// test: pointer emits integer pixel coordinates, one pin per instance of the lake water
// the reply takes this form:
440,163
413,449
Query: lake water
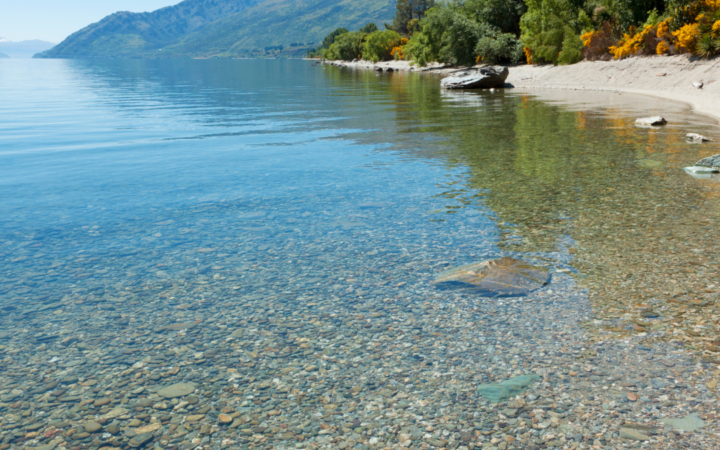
262,237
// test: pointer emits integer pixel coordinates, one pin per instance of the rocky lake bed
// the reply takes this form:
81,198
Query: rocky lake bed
250,274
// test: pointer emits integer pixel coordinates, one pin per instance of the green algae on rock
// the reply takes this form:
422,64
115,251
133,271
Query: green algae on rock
504,276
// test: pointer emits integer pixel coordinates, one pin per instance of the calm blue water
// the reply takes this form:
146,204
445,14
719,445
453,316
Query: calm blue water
109,146
250,222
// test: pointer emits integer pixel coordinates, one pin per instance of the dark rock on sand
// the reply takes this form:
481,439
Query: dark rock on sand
484,78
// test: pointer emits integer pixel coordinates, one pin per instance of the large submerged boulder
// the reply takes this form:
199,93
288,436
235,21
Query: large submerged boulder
504,276
483,78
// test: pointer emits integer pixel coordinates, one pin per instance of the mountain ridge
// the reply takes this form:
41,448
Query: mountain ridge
220,29
23,49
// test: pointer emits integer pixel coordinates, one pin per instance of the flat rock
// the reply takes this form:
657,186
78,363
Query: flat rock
117,412
177,390
653,121
633,435
504,276
697,138
237,333
498,392
484,78
140,439
691,422
92,427
148,428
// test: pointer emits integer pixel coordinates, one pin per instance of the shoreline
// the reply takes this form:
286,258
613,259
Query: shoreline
666,77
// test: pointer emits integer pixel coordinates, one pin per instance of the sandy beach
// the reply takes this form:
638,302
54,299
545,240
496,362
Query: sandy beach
668,77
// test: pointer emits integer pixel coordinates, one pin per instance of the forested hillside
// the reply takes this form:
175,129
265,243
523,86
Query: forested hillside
220,28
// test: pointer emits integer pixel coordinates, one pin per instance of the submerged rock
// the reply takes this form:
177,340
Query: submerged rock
504,276
633,435
498,392
710,161
484,78
651,121
691,422
696,138
177,390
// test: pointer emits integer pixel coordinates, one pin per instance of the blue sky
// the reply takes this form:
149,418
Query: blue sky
54,20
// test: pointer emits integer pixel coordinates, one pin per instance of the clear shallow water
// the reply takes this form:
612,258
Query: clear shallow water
268,231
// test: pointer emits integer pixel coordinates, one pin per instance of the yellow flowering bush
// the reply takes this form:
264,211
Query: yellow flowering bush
632,44
397,52
662,48
586,38
716,29
686,37
528,55
663,29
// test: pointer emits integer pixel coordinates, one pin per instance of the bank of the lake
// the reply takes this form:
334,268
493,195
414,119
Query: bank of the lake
668,77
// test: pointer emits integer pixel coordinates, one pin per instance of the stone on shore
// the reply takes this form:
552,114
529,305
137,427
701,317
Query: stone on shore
484,78
504,276
696,138
653,121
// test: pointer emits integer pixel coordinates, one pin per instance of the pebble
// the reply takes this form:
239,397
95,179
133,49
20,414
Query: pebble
92,427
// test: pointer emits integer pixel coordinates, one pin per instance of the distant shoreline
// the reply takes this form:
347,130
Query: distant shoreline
667,77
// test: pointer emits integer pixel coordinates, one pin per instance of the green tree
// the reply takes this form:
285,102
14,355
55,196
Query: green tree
379,44
346,47
503,14
408,13
545,27
451,33
369,28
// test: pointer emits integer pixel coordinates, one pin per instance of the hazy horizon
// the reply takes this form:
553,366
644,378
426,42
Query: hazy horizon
50,21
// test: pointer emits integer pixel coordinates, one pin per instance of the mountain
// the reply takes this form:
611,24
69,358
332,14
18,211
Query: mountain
23,49
3,55
221,28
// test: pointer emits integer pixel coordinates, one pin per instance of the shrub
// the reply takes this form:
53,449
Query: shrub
347,46
707,46
596,44
379,45
503,47
572,47
544,29
398,51
330,38
687,37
